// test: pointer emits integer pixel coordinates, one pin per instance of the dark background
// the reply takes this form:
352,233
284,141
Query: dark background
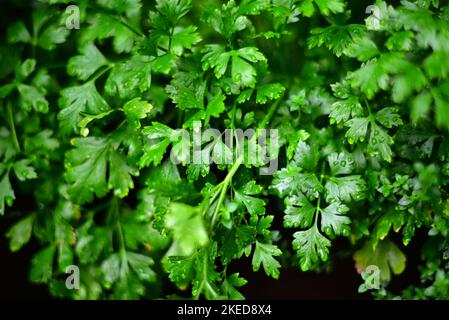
341,283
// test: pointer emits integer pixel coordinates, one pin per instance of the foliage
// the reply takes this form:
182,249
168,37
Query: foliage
89,128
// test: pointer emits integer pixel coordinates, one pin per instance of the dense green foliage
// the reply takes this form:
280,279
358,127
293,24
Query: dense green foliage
89,118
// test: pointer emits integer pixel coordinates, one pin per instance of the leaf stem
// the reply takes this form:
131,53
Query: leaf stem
102,72
15,140
368,106
318,204
225,183
120,237
172,30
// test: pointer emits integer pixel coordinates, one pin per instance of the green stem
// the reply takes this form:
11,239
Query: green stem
120,237
15,140
225,183
102,72
318,204
204,283
170,40
130,27
367,106
233,111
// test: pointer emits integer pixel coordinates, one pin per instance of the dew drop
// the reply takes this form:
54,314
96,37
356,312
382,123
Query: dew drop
85,132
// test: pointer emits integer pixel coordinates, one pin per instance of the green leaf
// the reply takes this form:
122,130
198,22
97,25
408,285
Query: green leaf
173,10
388,117
20,233
164,63
243,72
434,65
215,107
306,156
187,92
333,220
153,152
371,77
25,69
65,256
299,212
245,95
23,170
88,118
135,110
184,38
268,92
111,269
340,163
120,173
76,101
221,153
42,265
6,193
421,106
363,49
85,65
141,265
206,276
357,129
105,26
235,241
131,78
402,40
311,247
387,257
290,181
253,7
216,58
18,33
181,270
87,168
137,234
245,195
91,242
228,19
6,90
385,223
263,254
336,38
32,98
157,130
326,7
379,143
52,36
343,110
187,226
231,283
345,188
441,106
